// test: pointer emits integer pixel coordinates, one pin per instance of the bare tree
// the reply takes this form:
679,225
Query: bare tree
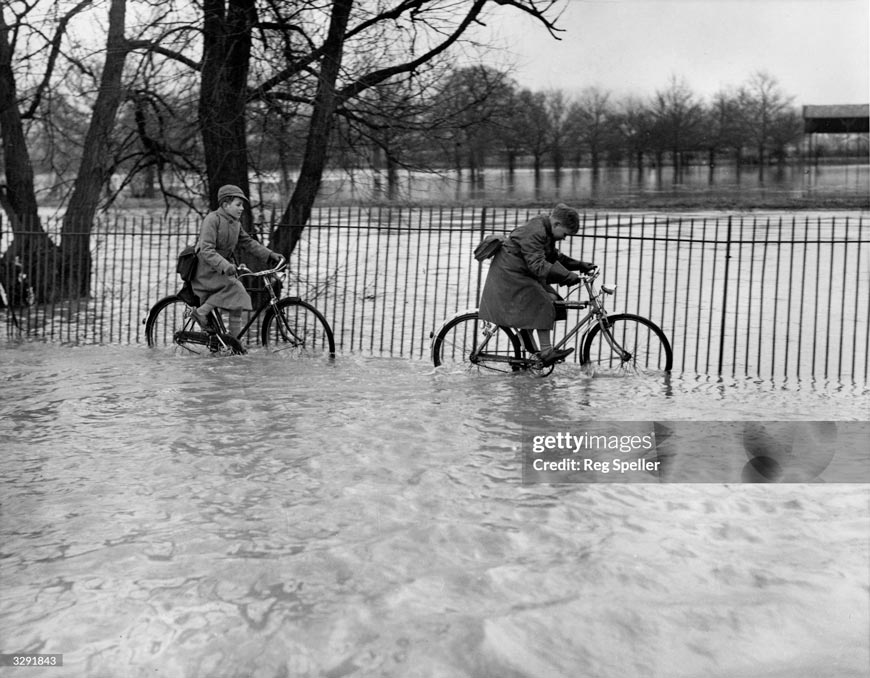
721,131
30,244
678,114
93,171
557,106
75,98
394,126
761,102
635,124
420,31
785,130
468,113
592,123
532,114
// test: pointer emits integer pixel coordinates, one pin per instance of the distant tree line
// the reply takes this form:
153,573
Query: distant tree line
478,116
175,99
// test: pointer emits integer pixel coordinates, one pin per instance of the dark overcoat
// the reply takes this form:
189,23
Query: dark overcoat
516,292
220,238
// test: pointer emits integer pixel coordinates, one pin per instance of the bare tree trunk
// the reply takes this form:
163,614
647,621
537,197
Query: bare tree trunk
392,177
711,164
95,167
226,57
20,194
761,161
295,217
30,243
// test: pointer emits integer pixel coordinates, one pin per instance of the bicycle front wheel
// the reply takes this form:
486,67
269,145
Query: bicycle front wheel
298,329
466,341
630,344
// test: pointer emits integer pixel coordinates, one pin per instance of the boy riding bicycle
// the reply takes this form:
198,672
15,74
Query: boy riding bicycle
216,282
517,291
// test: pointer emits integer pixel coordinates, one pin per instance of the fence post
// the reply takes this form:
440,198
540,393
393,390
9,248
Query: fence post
724,297
480,263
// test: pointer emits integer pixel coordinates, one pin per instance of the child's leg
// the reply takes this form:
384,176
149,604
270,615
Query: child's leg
528,341
544,340
235,325
201,314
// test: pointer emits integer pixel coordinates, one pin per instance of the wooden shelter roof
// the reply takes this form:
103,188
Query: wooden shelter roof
838,119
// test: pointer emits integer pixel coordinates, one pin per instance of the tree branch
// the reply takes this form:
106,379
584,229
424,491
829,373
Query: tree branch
52,57
156,48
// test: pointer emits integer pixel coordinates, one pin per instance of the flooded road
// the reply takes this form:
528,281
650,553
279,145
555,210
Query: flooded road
253,516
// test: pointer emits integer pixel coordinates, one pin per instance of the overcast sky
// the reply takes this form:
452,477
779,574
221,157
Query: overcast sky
818,50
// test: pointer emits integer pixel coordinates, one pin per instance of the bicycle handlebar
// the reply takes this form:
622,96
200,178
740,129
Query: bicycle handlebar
245,271
585,278
592,275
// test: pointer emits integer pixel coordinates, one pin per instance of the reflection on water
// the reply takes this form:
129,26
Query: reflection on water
260,517
497,184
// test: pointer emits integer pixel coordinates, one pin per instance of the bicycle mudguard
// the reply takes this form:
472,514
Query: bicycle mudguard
437,331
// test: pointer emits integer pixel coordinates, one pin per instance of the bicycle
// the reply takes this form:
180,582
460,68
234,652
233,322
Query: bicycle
620,343
289,324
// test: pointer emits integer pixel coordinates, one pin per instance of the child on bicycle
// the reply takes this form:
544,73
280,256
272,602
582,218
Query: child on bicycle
216,282
517,291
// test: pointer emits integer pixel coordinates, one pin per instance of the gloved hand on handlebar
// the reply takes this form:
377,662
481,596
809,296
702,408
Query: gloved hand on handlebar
276,258
587,267
572,279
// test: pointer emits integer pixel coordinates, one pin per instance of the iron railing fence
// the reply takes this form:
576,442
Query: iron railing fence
776,297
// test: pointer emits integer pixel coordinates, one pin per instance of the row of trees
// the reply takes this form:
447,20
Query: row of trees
755,121
173,93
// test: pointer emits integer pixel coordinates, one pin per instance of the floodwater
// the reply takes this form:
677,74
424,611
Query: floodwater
723,181
251,516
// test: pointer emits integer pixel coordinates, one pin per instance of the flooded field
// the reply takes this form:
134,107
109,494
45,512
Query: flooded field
182,517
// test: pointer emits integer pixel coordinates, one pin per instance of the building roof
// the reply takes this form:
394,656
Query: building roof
839,119
838,111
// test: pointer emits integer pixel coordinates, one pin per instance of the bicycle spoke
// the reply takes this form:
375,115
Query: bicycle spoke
169,317
630,345
297,329
470,344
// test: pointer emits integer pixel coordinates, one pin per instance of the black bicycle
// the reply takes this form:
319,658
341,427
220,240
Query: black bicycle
289,324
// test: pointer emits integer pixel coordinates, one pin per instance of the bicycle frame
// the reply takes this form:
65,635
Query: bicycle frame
290,323
271,277
597,313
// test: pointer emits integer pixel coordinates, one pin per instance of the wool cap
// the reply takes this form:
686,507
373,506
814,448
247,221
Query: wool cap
230,191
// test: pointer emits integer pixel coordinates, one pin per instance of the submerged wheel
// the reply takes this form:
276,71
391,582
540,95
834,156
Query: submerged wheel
641,347
170,326
296,328
168,316
457,340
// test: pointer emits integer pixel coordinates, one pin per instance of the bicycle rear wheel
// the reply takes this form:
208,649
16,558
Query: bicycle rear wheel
458,341
638,347
298,329
169,326
168,316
